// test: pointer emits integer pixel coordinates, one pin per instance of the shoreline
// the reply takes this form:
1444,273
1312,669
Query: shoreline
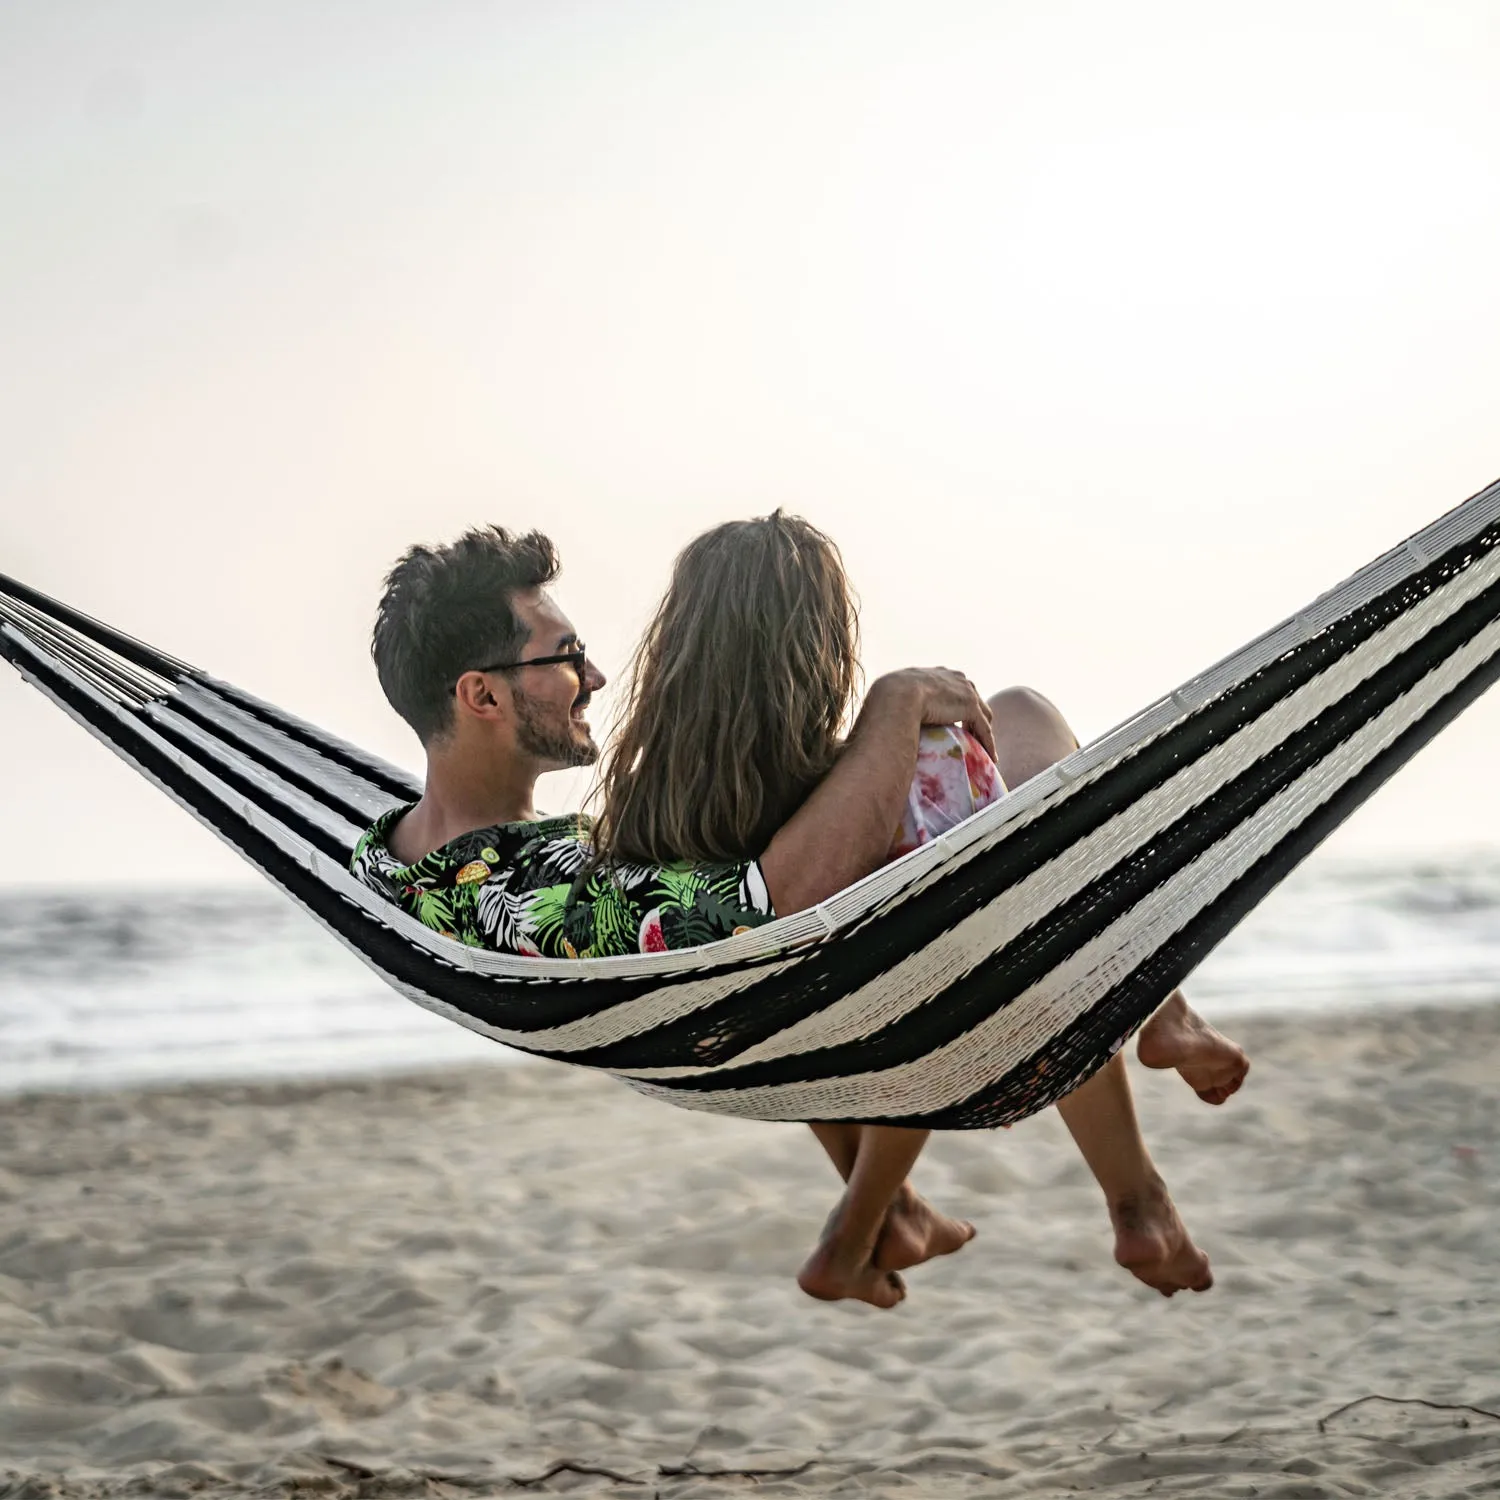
267,1287
1297,1010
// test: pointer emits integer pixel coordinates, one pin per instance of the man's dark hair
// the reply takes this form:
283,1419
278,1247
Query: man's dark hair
447,610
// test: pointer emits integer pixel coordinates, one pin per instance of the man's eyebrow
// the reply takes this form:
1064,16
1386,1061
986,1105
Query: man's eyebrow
570,639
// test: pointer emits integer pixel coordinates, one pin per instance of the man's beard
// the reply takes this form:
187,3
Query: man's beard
539,738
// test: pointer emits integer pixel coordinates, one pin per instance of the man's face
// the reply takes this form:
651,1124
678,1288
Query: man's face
550,701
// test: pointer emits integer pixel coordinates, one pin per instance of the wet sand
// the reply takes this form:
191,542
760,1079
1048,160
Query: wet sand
453,1283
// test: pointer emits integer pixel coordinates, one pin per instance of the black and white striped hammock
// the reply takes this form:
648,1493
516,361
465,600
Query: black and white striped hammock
966,985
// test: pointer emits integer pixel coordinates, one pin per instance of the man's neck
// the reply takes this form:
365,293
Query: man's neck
459,798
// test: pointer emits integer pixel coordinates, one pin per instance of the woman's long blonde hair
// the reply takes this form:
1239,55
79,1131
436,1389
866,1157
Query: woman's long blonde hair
736,699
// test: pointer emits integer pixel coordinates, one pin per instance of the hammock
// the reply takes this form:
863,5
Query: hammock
966,985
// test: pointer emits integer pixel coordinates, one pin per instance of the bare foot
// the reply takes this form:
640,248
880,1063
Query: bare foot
1152,1243
915,1231
838,1269
1178,1037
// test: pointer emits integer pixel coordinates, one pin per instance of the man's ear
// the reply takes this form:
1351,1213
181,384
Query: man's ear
474,695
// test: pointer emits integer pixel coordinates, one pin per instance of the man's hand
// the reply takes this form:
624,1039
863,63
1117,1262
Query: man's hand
942,696
845,828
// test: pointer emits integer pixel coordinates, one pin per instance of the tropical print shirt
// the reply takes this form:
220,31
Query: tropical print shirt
535,889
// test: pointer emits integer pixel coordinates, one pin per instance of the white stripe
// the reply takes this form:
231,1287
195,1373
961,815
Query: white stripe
283,749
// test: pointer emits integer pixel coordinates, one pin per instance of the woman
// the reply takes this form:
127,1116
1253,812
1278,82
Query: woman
733,713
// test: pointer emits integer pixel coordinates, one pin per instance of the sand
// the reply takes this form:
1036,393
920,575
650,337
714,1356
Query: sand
455,1283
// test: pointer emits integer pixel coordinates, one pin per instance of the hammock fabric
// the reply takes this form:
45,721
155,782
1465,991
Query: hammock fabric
966,985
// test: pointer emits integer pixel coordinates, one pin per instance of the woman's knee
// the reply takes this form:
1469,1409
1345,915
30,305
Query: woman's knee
1030,733
1024,706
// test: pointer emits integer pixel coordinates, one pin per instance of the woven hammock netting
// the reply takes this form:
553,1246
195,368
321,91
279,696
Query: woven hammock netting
968,984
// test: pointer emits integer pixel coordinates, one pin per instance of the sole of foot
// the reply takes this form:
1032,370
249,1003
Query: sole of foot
1178,1037
822,1279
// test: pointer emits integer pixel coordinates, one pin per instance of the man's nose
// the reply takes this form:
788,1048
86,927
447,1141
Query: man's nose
593,678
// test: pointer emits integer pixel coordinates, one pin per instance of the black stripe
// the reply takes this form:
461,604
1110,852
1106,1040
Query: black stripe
384,778
1088,1044
289,772
286,813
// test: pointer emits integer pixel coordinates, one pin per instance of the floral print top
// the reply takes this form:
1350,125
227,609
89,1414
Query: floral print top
535,889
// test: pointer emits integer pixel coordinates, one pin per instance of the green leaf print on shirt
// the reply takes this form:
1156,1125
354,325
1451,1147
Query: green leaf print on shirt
433,909
548,917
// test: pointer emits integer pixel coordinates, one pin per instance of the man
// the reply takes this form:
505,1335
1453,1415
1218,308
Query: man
475,654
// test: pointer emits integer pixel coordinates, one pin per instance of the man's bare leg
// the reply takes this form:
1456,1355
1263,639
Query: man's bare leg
841,1143
912,1231
843,1264
1030,735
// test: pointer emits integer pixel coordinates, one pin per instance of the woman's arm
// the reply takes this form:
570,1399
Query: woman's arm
844,829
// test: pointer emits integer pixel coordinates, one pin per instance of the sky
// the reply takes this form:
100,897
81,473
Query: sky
1101,338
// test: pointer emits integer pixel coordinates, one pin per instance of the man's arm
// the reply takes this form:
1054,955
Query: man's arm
844,829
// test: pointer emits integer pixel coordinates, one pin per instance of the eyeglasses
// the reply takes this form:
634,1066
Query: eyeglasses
577,658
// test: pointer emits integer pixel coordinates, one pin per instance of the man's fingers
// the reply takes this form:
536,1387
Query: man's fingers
948,697
983,731
953,699
975,716
976,720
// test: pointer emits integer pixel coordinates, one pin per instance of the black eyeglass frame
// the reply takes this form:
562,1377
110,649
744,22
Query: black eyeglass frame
576,658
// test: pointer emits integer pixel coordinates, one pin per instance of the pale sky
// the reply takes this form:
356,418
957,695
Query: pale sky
1101,337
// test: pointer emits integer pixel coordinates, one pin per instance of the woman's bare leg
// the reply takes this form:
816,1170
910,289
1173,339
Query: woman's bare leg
1150,1239
841,1143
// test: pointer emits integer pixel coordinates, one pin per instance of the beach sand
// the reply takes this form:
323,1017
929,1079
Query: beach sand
452,1284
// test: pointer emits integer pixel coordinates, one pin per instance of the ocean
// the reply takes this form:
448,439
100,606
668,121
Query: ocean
101,988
